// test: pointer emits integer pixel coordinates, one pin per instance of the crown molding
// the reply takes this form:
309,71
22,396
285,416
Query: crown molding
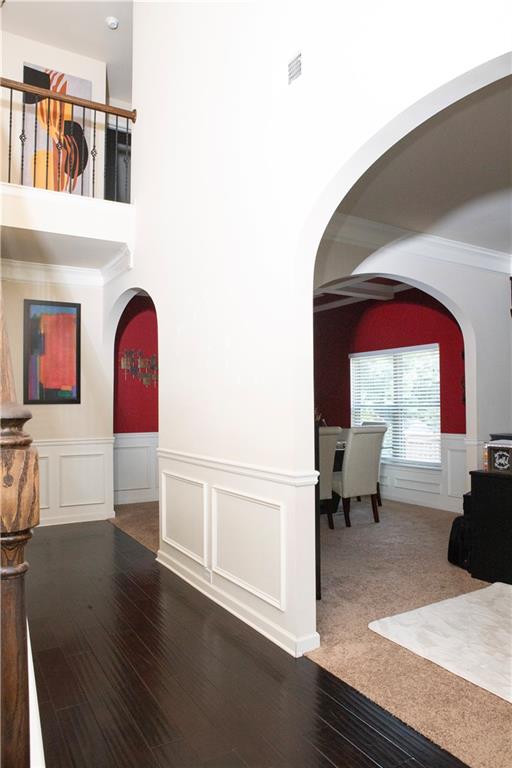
33,272
354,230
119,264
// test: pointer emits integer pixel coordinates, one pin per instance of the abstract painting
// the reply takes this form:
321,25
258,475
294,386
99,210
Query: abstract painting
142,367
51,352
56,149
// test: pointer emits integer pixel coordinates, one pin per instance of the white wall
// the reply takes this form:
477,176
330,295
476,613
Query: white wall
75,442
233,192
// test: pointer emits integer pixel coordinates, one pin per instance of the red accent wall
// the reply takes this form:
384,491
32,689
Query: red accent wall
135,405
411,318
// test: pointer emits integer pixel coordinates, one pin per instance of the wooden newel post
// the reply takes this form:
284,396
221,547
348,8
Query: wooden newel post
19,513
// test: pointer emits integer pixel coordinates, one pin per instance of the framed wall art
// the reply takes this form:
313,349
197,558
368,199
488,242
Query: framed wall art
51,355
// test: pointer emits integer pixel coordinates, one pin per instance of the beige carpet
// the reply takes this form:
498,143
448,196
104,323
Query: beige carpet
371,571
140,521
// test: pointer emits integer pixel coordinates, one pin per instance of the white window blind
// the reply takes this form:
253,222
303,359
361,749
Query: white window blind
401,388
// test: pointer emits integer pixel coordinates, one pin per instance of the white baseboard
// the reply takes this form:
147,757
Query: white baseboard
75,479
295,646
36,737
77,517
135,467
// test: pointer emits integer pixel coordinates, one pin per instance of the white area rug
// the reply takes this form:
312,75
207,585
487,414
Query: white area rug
470,635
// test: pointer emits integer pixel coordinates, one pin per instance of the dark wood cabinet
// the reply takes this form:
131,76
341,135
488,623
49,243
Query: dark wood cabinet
491,523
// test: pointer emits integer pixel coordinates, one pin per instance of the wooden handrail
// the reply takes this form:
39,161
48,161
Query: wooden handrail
19,513
130,114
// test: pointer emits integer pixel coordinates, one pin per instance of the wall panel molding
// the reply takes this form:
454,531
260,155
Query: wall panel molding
244,514
185,502
440,487
76,479
135,467
247,548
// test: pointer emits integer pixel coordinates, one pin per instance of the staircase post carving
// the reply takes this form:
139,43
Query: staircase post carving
19,514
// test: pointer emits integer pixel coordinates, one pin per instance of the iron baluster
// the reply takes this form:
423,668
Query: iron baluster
126,155
71,153
59,147
23,138
105,148
35,142
10,139
94,153
115,159
82,152
47,139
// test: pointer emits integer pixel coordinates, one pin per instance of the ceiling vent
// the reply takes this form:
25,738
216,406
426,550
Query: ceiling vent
294,68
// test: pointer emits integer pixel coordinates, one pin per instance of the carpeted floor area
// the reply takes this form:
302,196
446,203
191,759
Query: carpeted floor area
371,571
140,521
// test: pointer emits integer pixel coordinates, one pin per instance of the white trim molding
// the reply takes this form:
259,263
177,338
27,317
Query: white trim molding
76,479
32,272
294,479
354,230
296,646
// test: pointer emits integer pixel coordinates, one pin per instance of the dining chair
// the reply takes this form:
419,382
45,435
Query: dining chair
377,424
360,471
328,438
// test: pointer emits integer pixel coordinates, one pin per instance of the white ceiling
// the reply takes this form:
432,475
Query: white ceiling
53,248
80,27
451,177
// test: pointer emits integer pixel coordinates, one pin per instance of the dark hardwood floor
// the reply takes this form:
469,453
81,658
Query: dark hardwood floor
135,668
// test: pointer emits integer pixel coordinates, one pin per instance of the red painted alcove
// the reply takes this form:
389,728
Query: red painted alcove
135,404
413,317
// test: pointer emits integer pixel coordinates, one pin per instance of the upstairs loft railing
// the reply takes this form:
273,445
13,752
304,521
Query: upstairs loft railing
63,143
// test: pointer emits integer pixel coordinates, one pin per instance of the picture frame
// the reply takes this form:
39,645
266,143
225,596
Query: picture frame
51,352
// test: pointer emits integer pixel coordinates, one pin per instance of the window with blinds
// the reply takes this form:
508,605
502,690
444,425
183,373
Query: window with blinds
401,388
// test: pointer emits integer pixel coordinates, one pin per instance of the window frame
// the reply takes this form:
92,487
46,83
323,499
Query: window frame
434,465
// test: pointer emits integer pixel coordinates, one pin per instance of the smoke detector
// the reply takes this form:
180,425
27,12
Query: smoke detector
112,22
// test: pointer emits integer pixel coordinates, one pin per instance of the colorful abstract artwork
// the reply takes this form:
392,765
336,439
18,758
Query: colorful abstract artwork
56,149
52,352
142,367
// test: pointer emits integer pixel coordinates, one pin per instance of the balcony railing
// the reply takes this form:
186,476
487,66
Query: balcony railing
51,140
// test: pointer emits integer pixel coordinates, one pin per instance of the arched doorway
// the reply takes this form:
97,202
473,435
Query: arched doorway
135,416
364,255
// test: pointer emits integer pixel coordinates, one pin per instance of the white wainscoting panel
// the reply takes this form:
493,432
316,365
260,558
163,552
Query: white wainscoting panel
185,515
76,479
243,527
233,531
82,479
440,487
135,467
453,457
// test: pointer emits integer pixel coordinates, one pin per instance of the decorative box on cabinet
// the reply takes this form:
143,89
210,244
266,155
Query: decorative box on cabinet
491,515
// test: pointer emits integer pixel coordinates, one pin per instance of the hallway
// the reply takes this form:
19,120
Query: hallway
135,668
